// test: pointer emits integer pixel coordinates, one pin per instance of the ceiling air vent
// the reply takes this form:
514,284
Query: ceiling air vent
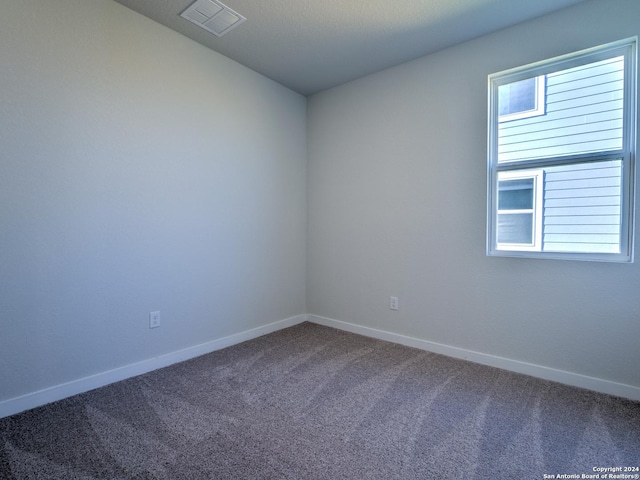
213,16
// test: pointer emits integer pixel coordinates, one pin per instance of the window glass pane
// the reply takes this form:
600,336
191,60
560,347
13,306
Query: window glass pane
517,97
583,114
515,194
515,228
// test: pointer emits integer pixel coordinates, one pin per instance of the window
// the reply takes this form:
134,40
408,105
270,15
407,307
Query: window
561,157
521,99
519,205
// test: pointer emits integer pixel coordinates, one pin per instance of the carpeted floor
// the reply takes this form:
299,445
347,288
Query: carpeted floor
311,402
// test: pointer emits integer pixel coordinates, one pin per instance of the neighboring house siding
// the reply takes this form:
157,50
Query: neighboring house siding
583,114
582,208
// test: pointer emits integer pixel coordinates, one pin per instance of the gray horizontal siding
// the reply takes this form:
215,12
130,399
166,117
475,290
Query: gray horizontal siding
582,247
583,114
598,229
582,207
583,192
593,220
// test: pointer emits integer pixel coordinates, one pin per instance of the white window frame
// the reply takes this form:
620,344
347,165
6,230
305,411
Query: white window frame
539,101
536,211
626,154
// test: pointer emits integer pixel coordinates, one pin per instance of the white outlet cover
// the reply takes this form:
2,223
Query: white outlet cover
393,303
154,319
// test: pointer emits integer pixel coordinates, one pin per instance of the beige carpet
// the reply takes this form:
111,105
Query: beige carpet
310,402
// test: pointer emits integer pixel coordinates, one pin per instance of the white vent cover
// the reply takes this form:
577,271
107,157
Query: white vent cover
213,16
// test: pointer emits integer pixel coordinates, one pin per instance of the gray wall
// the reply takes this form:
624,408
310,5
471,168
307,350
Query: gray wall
397,206
139,171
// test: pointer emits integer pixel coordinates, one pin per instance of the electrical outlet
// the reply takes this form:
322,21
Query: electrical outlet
154,319
393,303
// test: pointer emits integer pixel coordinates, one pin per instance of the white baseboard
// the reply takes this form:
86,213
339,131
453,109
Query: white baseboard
58,392
546,373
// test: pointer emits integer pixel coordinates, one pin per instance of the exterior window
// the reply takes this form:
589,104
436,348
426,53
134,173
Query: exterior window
519,210
561,157
522,99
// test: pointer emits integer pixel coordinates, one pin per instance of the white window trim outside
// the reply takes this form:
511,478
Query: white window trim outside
627,48
539,100
536,210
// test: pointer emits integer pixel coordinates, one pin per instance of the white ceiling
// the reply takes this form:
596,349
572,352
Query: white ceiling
310,46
